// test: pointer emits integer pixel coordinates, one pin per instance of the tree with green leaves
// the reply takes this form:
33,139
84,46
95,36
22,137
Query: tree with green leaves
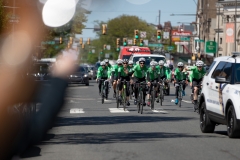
3,17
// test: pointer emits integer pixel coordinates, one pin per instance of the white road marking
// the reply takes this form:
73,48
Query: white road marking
76,110
118,110
159,111
186,101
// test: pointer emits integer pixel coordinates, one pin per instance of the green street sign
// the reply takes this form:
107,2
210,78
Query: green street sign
170,48
155,45
185,38
211,47
199,40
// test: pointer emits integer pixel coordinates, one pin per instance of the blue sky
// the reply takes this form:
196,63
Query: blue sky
104,10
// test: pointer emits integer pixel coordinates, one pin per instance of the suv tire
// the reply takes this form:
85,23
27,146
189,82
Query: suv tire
233,130
206,125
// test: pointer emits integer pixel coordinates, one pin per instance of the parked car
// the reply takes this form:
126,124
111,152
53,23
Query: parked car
148,58
40,70
79,77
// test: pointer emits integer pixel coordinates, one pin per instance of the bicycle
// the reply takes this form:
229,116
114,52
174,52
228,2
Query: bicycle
123,95
153,94
140,100
180,97
104,89
161,88
198,98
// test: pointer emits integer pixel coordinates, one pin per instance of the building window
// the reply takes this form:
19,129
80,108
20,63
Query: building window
220,40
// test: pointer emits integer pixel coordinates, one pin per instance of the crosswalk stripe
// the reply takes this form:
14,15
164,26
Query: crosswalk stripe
118,110
76,110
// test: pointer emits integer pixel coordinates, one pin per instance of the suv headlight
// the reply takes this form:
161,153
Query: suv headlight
85,75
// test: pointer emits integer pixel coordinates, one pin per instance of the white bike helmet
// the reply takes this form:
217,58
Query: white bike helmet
153,63
161,62
130,62
166,65
119,61
199,63
106,60
141,59
103,63
180,64
125,60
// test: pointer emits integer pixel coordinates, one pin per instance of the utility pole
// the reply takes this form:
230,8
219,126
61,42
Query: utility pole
235,26
159,18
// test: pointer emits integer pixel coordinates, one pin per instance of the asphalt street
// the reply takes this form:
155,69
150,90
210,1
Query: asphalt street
88,130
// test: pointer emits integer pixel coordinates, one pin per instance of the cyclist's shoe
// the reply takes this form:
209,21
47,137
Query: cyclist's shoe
135,102
176,101
128,103
100,93
195,106
144,103
183,93
133,95
114,95
157,100
148,103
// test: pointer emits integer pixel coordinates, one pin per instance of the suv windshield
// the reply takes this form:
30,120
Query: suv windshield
237,73
81,70
41,68
149,59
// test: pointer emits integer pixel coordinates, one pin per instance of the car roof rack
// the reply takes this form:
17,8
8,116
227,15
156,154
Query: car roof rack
235,54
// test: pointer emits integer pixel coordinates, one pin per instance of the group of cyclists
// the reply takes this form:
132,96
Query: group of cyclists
157,72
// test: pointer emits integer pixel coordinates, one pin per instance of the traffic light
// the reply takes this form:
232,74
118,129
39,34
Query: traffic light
136,34
71,40
134,41
141,42
199,55
118,41
104,46
69,45
60,40
118,48
158,34
83,46
193,57
88,41
80,41
104,29
125,42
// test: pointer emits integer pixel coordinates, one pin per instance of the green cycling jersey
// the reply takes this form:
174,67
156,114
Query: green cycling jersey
196,74
123,71
102,73
180,75
152,74
164,71
115,70
140,72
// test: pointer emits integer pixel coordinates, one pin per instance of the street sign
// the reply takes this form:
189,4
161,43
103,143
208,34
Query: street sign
145,42
155,45
93,51
184,38
49,42
165,35
211,47
181,43
130,41
170,48
108,47
143,34
13,21
199,40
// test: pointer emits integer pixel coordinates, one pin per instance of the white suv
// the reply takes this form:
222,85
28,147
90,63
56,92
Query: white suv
220,97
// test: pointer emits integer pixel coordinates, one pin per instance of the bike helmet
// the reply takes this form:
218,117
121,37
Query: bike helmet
106,60
141,59
153,63
119,61
180,64
130,62
199,63
125,60
161,63
166,65
103,63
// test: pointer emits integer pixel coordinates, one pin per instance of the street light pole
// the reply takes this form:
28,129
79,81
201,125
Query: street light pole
235,27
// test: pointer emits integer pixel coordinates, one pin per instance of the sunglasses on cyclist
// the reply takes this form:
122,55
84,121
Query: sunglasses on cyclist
142,63
124,63
199,66
120,64
180,66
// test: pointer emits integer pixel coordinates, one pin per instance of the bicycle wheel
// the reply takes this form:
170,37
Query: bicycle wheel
161,95
102,93
139,102
141,96
153,98
124,98
180,98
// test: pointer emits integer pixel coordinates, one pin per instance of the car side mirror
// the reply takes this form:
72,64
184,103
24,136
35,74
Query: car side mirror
221,80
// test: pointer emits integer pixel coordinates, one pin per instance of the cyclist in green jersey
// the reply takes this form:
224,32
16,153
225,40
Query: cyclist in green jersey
114,75
124,74
180,75
164,73
102,74
139,72
196,78
152,76
108,65
131,66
